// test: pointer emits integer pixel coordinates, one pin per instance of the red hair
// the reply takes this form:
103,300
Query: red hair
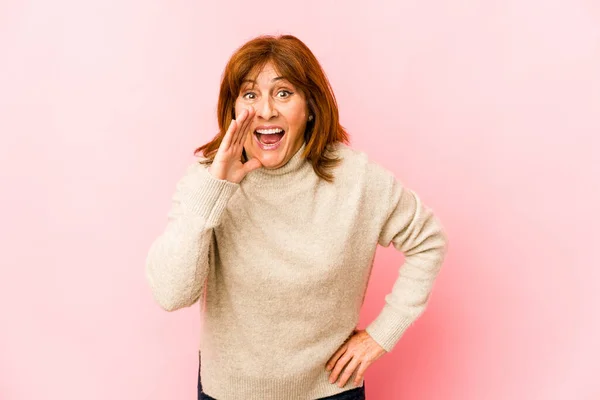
293,60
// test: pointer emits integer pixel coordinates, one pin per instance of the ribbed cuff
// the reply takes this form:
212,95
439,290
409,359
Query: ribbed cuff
388,327
207,196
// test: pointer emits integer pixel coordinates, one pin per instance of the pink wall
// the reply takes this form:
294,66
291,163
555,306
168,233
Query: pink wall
490,110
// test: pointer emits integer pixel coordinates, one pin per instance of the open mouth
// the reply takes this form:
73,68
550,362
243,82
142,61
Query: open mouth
269,137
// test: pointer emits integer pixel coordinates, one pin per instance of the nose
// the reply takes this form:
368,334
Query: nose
265,109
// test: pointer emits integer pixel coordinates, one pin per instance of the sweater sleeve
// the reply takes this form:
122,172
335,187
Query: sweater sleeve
414,230
177,262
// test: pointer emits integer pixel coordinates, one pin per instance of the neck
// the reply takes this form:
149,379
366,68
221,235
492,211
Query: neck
285,175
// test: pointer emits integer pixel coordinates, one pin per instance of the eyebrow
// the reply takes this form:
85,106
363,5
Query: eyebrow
277,78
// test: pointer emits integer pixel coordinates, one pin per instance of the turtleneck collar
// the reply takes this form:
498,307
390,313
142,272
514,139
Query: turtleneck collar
295,168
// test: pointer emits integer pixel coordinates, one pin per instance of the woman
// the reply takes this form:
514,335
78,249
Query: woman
275,229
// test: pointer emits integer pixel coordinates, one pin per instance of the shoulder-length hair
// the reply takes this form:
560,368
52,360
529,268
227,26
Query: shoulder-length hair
293,60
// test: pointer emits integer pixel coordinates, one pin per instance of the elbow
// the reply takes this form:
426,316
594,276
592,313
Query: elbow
445,242
441,236
174,275
170,303
167,297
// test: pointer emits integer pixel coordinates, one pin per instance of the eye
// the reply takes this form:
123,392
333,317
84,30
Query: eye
248,93
284,91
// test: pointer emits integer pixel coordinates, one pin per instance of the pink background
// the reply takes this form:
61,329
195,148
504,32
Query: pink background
490,110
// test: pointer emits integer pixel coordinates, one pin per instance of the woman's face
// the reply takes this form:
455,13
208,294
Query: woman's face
277,130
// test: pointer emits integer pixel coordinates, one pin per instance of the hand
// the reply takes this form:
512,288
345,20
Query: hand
228,164
360,350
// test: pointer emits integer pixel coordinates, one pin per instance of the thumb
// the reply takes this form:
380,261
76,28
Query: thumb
251,165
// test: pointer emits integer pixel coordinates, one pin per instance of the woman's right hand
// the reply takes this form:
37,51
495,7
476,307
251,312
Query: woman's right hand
228,164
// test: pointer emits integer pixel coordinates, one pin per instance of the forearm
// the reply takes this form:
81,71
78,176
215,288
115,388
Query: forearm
414,230
177,263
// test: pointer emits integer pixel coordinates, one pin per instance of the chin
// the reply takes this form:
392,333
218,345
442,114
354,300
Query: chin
271,161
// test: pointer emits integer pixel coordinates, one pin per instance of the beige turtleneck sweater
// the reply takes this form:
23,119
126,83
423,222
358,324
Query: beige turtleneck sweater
284,259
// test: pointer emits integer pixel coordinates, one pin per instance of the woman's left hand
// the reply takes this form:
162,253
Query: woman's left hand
359,350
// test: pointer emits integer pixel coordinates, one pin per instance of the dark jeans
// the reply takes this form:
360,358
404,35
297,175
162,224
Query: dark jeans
352,394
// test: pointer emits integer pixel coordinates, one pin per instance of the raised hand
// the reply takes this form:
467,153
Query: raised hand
228,164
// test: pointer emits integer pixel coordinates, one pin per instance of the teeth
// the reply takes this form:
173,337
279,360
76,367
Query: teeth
269,131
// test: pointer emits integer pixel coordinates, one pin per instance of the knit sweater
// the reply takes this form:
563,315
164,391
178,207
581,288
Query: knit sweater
283,260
